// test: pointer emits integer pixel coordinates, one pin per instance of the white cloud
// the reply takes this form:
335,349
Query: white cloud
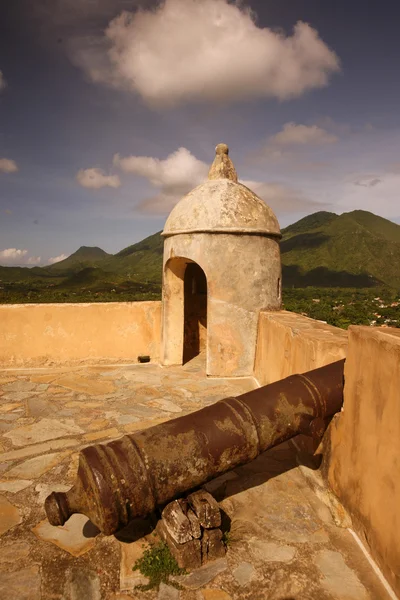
180,172
300,135
16,256
34,260
191,50
8,166
96,178
173,177
13,253
56,259
3,83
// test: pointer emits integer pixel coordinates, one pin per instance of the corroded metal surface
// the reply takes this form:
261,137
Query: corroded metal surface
131,476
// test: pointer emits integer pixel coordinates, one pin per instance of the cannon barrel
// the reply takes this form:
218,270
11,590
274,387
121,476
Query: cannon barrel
131,476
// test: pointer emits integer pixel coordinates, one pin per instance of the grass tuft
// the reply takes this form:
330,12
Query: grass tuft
157,564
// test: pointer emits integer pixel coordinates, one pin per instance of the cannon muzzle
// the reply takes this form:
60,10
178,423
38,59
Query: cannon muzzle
131,476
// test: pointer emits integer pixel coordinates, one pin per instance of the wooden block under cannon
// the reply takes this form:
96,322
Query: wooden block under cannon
205,508
212,546
187,555
192,535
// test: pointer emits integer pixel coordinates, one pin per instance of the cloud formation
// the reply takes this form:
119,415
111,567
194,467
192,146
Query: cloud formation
34,260
3,83
172,177
96,179
208,50
180,172
16,256
8,166
300,135
56,259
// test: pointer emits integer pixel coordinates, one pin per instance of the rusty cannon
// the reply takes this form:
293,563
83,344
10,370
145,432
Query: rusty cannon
130,477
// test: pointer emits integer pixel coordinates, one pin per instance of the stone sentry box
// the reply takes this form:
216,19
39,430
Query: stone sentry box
226,240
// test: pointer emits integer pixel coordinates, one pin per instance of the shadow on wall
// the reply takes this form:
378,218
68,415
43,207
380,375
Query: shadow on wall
322,277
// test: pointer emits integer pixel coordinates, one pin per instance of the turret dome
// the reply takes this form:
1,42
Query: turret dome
222,205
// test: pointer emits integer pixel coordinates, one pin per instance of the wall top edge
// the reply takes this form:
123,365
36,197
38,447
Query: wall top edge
78,304
295,320
383,333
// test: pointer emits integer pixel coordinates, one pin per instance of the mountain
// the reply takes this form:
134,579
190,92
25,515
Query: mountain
139,262
85,256
355,249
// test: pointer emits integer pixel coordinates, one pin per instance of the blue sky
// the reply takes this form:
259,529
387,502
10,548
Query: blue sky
110,111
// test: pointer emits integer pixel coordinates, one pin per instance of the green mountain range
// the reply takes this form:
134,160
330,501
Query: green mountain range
356,249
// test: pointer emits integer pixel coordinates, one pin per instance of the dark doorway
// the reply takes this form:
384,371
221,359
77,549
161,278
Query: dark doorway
195,312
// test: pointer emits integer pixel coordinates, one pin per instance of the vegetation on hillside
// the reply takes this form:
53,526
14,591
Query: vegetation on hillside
342,307
356,249
339,269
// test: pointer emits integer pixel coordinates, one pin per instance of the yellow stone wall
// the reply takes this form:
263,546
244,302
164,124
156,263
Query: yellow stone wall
363,463
49,334
288,343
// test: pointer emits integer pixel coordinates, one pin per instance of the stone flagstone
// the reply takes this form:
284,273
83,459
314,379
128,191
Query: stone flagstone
244,573
130,553
44,489
167,592
338,579
85,385
165,405
215,594
270,551
14,551
9,516
21,585
9,406
81,585
36,467
202,576
15,485
39,449
107,434
46,429
72,537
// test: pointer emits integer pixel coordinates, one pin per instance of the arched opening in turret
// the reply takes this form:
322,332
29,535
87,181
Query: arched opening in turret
195,312
184,333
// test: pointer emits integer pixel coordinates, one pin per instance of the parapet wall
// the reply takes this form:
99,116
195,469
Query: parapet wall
288,343
363,464
34,335
361,448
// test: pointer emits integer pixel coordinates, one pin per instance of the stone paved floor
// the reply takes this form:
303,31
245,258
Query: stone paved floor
283,543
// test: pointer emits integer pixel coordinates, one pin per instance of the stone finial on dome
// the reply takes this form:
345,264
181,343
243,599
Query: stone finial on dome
222,167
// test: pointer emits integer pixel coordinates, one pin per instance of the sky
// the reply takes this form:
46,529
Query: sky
110,111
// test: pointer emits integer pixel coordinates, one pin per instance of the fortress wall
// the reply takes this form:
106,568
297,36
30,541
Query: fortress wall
33,335
288,343
362,460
